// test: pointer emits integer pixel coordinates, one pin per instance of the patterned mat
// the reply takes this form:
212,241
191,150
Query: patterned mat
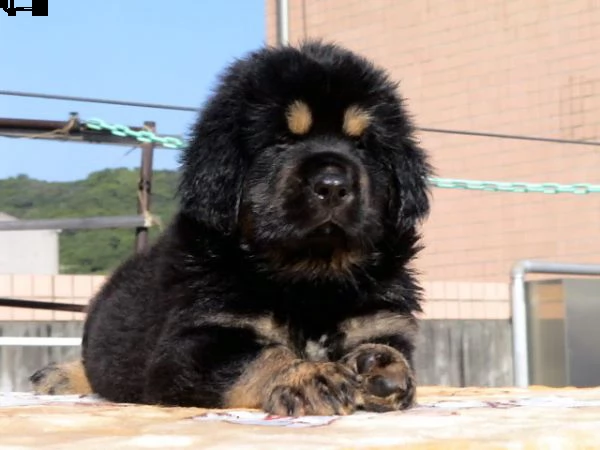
444,418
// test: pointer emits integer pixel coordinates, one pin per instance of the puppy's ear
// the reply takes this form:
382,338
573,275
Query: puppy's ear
213,167
393,132
411,179
412,175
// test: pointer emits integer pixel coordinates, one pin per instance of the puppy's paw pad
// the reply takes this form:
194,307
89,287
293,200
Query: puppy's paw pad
388,381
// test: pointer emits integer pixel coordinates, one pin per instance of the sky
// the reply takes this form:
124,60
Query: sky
134,50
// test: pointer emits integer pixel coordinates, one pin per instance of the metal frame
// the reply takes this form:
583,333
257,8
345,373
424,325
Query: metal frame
73,130
8,341
519,306
78,223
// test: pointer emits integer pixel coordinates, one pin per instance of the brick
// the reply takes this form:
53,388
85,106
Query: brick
6,313
82,286
5,285
97,282
22,286
22,314
42,286
63,286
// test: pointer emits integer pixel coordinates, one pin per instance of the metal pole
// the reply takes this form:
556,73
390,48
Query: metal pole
145,188
34,304
519,327
519,307
283,22
77,223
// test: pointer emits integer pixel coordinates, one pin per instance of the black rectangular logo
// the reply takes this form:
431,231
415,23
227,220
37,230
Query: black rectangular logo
37,8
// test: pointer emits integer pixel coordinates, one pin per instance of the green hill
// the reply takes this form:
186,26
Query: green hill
104,193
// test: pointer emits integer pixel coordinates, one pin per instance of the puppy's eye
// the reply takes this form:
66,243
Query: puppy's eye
360,143
284,144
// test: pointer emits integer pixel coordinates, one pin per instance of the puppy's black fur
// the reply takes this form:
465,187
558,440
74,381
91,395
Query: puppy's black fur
284,281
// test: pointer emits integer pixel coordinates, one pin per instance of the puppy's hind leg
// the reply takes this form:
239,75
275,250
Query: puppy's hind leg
61,379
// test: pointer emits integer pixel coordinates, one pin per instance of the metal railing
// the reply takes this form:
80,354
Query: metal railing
519,307
14,341
35,341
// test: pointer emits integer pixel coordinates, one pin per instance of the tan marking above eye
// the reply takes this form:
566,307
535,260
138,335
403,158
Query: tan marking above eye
356,121
299,117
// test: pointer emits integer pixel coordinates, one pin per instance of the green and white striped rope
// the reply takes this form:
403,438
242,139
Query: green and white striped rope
147,136
515,186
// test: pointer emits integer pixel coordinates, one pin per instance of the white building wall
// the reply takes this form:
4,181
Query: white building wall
29,251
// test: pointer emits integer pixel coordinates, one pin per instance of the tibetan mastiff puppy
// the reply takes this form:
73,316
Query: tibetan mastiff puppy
283,282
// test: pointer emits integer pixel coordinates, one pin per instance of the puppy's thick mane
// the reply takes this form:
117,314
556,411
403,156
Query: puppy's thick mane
246,283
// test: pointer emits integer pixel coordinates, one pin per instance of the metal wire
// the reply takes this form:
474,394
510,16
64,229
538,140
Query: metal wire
193,109
98,100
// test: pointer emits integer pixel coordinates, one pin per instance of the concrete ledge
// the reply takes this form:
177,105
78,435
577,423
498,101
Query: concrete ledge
446,418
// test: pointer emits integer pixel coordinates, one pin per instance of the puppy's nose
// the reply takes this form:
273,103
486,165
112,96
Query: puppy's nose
332,186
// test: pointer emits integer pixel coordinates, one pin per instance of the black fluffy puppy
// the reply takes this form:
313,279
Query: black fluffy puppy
284,281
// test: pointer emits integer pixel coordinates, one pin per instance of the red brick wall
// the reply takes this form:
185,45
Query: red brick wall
527,67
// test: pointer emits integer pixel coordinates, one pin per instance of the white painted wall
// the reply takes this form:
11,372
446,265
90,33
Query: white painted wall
29,251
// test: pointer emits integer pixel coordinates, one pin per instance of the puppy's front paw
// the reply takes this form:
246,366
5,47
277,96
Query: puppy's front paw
388,382
310,388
